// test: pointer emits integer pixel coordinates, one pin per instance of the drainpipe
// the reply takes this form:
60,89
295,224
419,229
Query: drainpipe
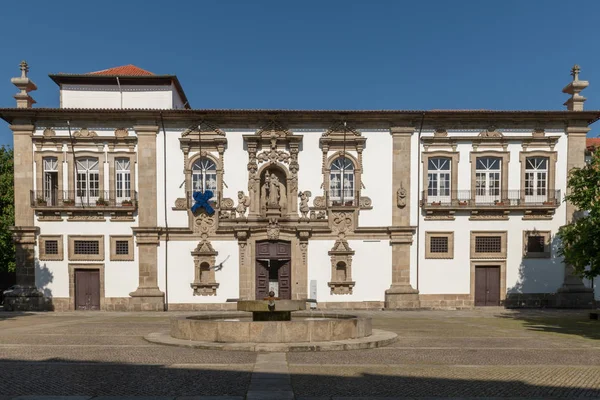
162,122
418,193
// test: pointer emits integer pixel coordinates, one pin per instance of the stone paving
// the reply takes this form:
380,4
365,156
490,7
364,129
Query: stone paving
442,354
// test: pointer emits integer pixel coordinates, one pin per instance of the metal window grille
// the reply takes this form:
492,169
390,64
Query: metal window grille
86,247
488,244
51,247
535,244
122,247
438,244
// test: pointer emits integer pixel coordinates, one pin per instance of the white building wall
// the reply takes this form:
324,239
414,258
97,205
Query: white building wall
377,179
310,175
181,271
236,161
109,96
452,276
370,270
175,180
120,277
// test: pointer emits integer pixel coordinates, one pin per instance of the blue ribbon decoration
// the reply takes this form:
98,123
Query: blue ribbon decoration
201,201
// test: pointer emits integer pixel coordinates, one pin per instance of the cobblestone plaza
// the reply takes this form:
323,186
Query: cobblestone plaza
457,354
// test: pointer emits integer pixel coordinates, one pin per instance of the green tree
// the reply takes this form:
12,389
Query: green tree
580,239
7,209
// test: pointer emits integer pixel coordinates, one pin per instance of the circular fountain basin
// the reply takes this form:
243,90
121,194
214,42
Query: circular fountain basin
240,328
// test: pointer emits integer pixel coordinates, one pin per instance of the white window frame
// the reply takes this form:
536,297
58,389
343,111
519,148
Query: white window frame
122,179
204,176
342,169
439,179
488,179
87,180
50,166
536,179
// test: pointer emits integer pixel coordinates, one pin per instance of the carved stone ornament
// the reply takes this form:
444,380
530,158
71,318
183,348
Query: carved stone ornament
342,222
491,132
273,155
273,229
204,224
341,268
341,127
365,202
227,203
181,203
440,133
203,127
319,202
49,132
121,132
243,204
401,196
204,269
273,129
304,208
84,132
540,132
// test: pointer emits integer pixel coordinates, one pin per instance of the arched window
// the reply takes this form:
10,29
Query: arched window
341,182
204,175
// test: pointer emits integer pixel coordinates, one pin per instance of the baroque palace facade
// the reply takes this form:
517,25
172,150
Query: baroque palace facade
128,199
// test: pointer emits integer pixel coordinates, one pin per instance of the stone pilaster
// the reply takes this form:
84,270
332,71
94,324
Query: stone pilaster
147,296
27,297
573,293
245,266
401,294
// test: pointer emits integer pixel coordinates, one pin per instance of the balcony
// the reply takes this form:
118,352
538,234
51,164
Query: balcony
342,198
112,199
511,199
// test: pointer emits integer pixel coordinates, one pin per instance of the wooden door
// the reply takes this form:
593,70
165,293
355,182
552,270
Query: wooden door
262,280
284,278
487,286
87,289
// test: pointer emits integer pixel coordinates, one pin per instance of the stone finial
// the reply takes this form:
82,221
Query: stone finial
25,85
575,103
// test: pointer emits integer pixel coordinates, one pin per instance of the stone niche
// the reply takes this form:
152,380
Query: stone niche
341,268
204,273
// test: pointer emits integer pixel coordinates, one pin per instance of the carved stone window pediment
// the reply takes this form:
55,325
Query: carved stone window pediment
341,268
204,269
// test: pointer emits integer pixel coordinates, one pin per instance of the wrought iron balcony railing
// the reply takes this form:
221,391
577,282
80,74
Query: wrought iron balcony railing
485,198
84,198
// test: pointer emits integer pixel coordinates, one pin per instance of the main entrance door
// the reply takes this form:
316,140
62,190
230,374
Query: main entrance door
487,286
87,289
273,269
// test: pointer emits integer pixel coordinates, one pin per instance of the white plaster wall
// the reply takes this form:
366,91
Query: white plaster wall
109,96
175,182
181,271
120,277
377,178
370,269
236,161
177,100
522,275
310,175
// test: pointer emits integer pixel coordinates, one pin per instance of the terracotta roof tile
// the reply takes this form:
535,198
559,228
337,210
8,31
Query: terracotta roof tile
592,142
123,70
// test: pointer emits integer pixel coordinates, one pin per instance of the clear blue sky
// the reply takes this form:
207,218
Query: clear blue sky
315,54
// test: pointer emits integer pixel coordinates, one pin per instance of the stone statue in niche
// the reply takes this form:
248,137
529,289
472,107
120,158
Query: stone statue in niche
273,193
243,204
304,208
401,197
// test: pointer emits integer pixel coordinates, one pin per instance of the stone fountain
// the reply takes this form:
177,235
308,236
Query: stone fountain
272,328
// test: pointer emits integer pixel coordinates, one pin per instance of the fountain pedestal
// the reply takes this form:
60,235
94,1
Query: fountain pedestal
271,310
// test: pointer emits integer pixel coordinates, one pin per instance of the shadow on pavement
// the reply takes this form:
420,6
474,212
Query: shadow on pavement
566,322
63,377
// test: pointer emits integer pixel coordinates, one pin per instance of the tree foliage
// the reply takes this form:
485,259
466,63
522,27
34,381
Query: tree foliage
7,209
580,239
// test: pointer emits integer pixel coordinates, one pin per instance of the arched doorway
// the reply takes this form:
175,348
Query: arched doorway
274,269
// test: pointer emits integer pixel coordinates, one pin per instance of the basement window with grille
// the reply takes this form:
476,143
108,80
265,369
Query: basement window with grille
51,247
439,245
84,247
122,247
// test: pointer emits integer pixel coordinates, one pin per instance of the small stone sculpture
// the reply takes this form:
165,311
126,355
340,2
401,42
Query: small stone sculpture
401,196
304,208
243,204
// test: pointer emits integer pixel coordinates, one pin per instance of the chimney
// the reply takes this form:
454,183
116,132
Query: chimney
25,85
575,103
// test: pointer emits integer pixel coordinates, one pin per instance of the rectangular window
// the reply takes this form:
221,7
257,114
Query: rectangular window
51,247
82,247
535,244
488,244
122,247
438,244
